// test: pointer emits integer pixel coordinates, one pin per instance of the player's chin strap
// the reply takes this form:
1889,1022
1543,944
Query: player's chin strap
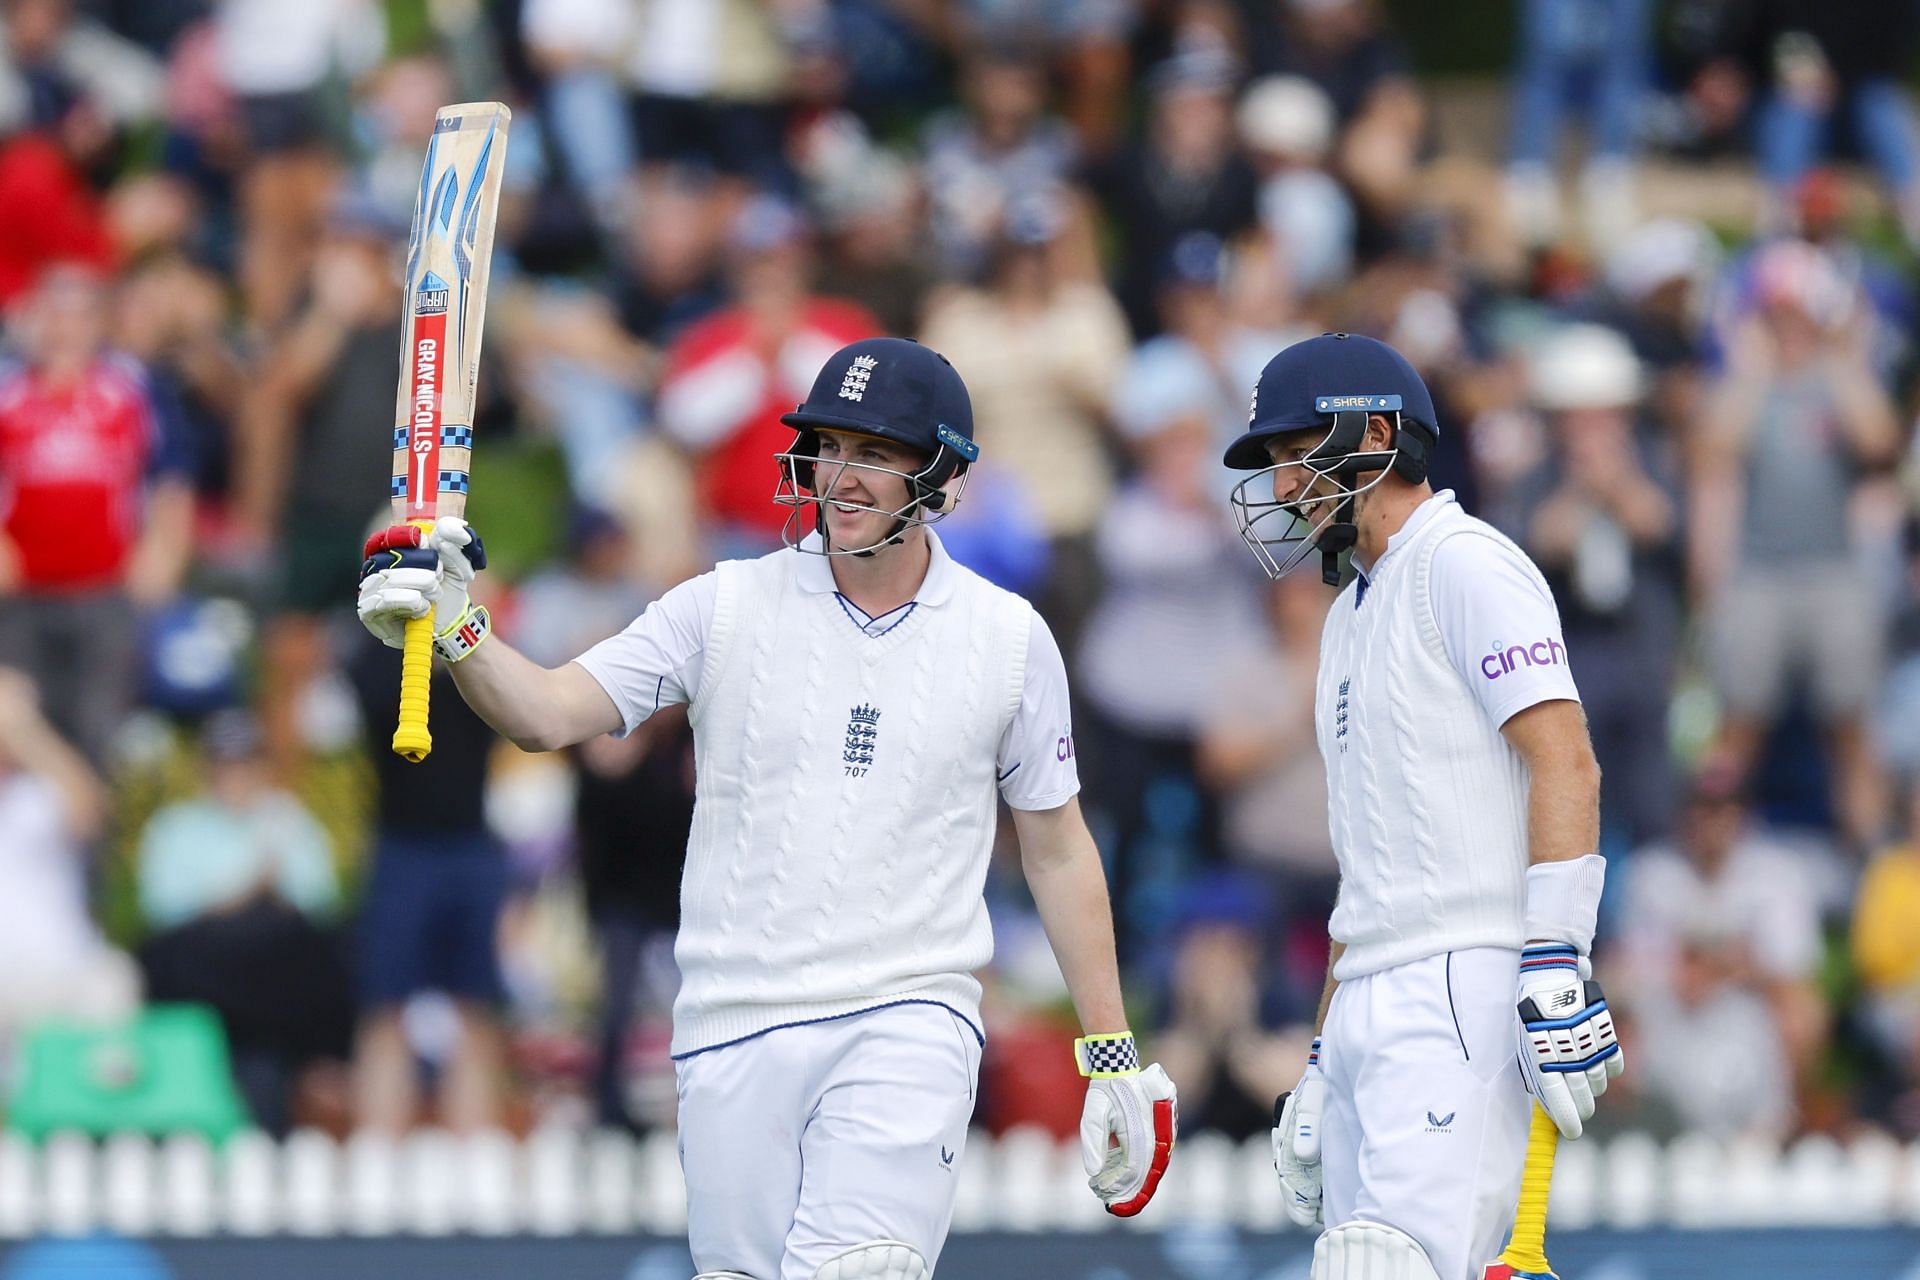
936,501
895,536
1347,433
926,494
1338,537
1407,458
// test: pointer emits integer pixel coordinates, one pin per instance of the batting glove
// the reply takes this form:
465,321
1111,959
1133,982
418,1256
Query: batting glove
1128,1125
411,571
1568,1050
1296,1142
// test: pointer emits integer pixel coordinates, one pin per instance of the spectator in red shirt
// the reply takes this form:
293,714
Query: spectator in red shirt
51,213
95,507
69,88
731,376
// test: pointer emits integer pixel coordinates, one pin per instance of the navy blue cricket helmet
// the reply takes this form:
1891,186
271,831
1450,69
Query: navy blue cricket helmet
1330,386
1310,381
898,390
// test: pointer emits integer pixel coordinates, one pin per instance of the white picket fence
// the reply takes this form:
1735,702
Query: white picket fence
561,1182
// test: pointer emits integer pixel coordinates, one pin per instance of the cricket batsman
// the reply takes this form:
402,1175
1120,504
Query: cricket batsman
1464,803
860,705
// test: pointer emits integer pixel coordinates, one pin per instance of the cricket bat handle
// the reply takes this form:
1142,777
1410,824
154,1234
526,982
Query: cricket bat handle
411,739
1527,1249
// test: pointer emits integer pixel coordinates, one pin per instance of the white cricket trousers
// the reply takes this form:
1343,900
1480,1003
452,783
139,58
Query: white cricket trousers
1425,1125
810,1139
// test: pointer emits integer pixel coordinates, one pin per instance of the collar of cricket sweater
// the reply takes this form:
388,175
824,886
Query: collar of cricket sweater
1406,533
814,573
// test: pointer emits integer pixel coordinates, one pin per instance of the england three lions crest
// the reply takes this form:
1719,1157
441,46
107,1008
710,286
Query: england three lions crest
863,732
854,385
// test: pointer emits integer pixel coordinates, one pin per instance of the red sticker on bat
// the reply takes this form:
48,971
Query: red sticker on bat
423,431
395,537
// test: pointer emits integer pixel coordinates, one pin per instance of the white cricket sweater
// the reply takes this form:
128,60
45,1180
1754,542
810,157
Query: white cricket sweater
1427,801
845,803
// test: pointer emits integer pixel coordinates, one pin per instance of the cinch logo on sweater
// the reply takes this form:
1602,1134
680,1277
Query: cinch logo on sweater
1541,653
863,728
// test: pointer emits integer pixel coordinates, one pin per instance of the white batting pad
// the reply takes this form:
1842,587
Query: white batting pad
878,1260
1369,1251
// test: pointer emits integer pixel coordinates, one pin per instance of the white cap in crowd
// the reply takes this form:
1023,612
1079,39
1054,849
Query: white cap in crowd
1584,366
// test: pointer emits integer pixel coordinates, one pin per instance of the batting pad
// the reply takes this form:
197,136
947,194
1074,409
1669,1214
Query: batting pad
1369,1251
878,1260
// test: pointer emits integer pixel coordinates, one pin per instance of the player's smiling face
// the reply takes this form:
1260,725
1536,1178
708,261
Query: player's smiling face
862,481
1293,480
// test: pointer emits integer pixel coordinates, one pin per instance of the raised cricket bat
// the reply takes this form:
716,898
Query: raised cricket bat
448,254
1525,1257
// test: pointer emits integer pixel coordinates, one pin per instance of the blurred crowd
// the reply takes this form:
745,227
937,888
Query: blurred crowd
1108,214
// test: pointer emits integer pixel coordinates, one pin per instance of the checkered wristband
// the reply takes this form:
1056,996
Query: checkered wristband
458,641
1103,1057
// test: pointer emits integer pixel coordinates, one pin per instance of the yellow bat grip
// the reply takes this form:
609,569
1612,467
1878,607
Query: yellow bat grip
1527,1250
411,740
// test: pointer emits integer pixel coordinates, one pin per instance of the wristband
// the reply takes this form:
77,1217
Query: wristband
1563,901
1542,958
1103,1057
464,636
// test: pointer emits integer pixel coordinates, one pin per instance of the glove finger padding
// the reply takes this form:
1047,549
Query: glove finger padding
1568,1048
1127,1131
403,599
1554,1097
1602,1073
1308,1100
461,552
391,597
1581,1092
1296,1116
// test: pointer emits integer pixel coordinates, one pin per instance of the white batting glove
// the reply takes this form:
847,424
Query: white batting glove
461,557
1296,1142
397,585
410,572
1128,1125
1568,1050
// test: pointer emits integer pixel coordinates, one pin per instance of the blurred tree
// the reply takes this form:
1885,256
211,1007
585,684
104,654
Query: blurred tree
1460,38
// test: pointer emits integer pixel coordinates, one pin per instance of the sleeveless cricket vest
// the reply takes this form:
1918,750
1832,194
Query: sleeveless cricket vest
1426,800
845,804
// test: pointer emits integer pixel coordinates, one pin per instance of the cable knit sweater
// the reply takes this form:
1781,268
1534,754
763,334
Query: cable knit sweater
845,806
1427,801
